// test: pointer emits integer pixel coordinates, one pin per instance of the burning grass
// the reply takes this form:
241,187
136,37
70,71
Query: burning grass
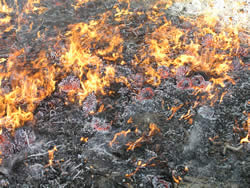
125,63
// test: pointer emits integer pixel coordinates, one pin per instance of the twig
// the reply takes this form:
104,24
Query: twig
227,146
37,155
27,139
77,166
52,168
77,174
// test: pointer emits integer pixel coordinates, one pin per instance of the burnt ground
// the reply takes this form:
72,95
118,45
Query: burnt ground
165,154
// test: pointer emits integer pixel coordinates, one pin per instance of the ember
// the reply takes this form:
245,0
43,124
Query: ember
185,83
145,94
69,84
124,93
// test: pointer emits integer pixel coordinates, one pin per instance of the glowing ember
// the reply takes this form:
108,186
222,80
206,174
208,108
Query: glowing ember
90,104
138,80
185,83
163,71
146,94
139,166
7,147
69,84
100,125
174,110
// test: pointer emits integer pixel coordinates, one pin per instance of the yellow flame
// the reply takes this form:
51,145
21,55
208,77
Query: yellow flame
246,139
51,156
84,139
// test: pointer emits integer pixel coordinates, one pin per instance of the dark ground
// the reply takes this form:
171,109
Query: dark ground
166,153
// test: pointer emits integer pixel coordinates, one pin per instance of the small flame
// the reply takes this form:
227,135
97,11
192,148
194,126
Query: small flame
124,133
130,120
246,139
186,116
51,156
101,108
153,131
84,139
139,166
174,109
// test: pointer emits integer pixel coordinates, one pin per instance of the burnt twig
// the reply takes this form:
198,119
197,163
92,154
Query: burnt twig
232,148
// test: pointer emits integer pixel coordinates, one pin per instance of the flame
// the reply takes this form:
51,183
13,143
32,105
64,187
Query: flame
153,131
246,139
84,139
186,116
6,11
26,91
124,133
94,49
137,143
79,3
51,156
177,180
130,120
139,166
200,54
79,59
174,109
101,109
34,6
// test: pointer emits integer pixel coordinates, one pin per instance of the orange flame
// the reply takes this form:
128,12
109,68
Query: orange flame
84,139
124,133
94,49
174,110
139,166
246,139
51,156
153,131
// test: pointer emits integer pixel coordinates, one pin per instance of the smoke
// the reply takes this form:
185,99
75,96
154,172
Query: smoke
227,11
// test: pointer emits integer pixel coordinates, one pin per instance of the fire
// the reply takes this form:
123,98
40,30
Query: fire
186,116
5,18
34,6
246,139
174,109
84,139
24,92
79,3
130,120
153,130
124,133
84,63
139,166
51,156
198,54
